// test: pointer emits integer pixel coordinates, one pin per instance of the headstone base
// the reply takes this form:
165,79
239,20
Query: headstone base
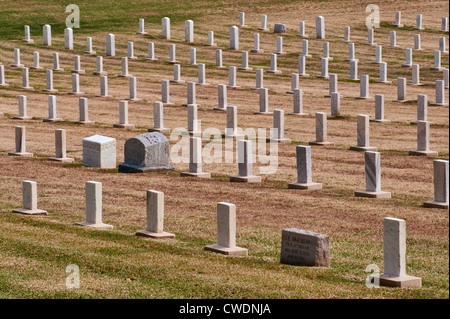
368,194
363,148
307,186
220,109
173,61
132,57
22,118
4,85
321,143
437,69
85,122
123,126
24,211
323,76
26,88
36,68
363,98
245,69
303,36
423,153
351,60
160,130
78,71
20,66
56,119
404,281
233,87
90,52
141,33
61,159
404,101
257,51
151,59
434,204
406,65
298,114
263,113
96,226
58,70
245,179
128,168
384,82
125,75
24,154
398,25
305,75
235,251
50,91
204,83
438,104
380,120
274,71
263,29
102,73
76,93
28,41
133,99
177,81
279,140
416,84
149,234
199,175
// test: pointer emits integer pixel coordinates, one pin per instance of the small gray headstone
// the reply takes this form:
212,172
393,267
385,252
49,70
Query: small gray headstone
145,153
304,248
279,28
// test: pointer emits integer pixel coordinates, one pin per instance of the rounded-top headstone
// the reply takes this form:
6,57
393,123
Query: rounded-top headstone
279,28
146,153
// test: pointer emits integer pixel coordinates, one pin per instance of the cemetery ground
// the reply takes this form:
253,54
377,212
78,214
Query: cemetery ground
35,251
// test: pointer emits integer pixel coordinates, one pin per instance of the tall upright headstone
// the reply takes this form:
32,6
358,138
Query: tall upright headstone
245,155
20,143
155,217
304,175
373,177
195,159
362,141
60,147
423,140
94,207
441,197
29,198
226,232
394,246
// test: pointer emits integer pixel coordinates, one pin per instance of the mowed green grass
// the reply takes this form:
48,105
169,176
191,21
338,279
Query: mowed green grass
114,264
34,252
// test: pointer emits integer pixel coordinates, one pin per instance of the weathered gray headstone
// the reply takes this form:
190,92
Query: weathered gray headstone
304,248
146,153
